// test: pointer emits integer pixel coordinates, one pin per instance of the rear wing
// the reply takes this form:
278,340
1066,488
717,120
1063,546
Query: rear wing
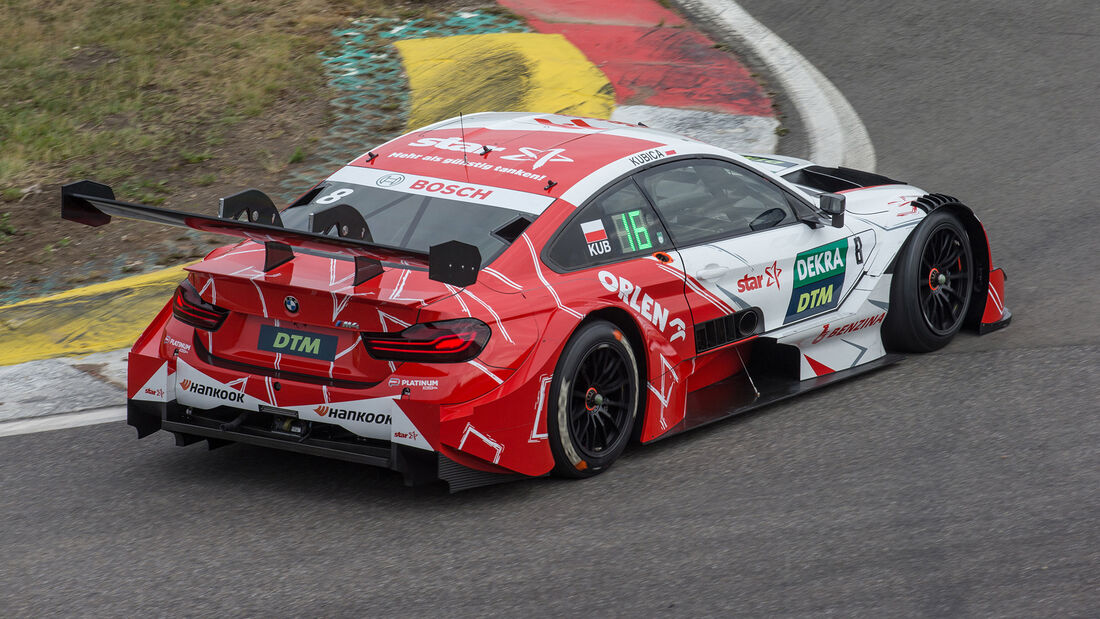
453,262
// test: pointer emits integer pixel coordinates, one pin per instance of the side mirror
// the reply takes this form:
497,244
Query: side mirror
832,204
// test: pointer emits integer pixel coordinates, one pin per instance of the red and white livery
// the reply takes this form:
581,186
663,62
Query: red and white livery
516,294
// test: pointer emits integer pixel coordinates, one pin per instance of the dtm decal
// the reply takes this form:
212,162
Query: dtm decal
213,392
849,328
648,308
756,282
350,415
596,237
818,280
300,343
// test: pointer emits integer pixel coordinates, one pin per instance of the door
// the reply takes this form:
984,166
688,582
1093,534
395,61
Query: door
743,245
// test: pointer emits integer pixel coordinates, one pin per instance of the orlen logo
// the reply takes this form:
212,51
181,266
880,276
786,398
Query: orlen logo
462,191
648,308
360,416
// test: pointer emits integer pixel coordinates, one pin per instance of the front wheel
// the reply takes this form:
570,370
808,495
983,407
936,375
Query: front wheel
594,400
932,287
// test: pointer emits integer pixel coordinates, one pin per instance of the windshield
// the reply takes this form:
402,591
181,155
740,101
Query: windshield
412,221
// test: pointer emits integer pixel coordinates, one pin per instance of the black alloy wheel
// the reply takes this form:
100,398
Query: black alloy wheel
945,291
595,400
933,286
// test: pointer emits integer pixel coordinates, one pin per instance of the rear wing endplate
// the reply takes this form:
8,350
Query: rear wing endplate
453,262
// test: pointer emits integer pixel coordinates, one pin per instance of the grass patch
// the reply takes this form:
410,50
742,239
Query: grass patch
134,80
144,191
6,229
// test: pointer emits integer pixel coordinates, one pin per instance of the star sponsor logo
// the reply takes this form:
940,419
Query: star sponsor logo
541,157
756,282
411,435
157,393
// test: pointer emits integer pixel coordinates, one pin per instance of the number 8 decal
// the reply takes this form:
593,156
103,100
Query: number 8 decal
334,196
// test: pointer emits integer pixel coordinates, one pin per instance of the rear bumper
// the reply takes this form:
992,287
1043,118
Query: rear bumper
224,426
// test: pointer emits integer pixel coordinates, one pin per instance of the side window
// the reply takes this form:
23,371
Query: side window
706,198
618,224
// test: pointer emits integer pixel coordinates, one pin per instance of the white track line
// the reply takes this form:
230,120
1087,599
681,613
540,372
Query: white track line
836,134
61,422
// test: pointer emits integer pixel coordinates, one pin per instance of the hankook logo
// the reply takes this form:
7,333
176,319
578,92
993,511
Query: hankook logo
213,392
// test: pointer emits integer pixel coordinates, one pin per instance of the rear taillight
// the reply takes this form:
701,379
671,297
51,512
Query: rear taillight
447,341
188,307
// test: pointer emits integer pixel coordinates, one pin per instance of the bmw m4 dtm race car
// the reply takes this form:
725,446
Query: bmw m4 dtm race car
513,294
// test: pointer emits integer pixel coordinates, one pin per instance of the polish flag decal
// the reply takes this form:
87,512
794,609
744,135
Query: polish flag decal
593,231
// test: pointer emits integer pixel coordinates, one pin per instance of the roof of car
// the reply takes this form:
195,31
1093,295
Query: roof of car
533,158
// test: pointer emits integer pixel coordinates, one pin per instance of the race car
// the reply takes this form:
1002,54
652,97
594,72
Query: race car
508,294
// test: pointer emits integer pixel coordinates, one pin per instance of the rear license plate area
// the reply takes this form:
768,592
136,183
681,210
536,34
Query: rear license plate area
298,343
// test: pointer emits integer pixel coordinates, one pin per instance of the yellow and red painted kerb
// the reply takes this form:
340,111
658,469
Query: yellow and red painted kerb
627,60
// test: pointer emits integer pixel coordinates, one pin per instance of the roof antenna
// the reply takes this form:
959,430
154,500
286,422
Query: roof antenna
465,163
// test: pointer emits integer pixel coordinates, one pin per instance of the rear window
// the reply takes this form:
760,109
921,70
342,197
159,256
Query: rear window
413,221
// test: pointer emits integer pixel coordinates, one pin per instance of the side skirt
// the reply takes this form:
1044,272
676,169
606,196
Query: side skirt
735,395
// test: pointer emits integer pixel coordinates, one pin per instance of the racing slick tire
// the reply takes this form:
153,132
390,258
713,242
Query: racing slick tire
593,400
932,288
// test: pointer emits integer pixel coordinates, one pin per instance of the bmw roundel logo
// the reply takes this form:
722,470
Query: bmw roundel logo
291,305
390,180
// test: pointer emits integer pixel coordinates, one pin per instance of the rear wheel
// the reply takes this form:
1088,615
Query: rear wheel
932,287
594,400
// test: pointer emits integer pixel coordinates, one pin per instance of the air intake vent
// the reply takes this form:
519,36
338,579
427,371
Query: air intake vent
728,328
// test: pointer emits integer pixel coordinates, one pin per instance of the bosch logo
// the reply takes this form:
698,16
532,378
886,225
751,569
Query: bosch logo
291,305
390,180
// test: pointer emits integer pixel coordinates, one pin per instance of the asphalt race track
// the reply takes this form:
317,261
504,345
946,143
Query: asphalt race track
959,483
